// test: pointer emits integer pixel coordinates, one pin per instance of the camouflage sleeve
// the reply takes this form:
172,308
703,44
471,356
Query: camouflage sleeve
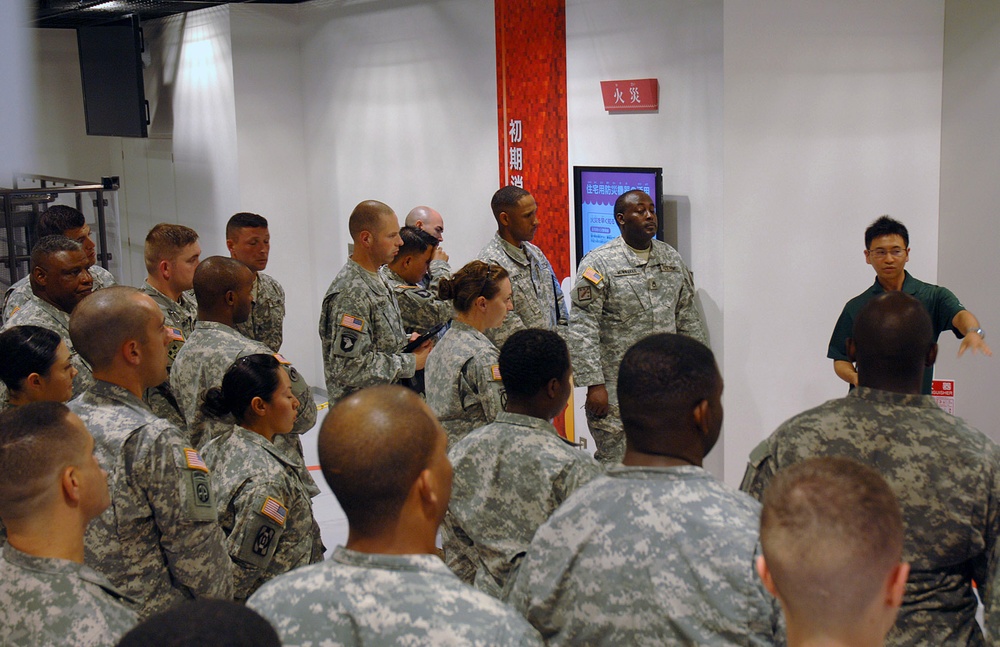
274,331
439,270
562,315
352,357
421,310
459,553
760,471
584,338
687,318
481,374
13,298
261,513
177,485
988,579
575,474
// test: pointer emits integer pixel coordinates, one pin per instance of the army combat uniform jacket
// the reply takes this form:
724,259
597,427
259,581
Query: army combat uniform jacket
264,509
946,476
267,316
160,540
374,599
420,308
362,334
179,317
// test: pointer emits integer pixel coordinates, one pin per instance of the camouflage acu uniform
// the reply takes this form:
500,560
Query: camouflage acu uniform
160,540
649,556
462,378
50,601
619,299
202,363
179,317
362,333
419,308
373,599
509,477
439,270
36,312
538,299
268,313
946,476
264,509
19,293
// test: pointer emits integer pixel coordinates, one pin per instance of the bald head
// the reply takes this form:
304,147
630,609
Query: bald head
426,219
367,216
106,319
372,447
217,277
893,339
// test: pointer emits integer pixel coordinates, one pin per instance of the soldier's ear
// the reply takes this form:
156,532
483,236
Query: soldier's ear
39,274
765,575
931,355
164,268
258,406
70,483
504,219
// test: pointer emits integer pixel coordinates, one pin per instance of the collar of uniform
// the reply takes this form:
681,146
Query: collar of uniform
57,566
60,317
253,288
391,277
891,397
680,472
466,328
373,280
407,563
517,254
256,439
531,422
154,293
657,254
114,392
215,325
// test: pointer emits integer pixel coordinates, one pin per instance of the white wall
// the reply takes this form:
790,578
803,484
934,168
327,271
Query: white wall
969,235
678,42
832,117
18,98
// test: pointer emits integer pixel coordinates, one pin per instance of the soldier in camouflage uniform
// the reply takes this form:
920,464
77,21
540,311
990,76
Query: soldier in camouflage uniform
944,472
626,289
658,552
264,507
360,325
51,487
249,242
513,473
419,308
171,254
383,454
832,536
160,540
428,220
538,299
222,286
463,381
60,281
59,220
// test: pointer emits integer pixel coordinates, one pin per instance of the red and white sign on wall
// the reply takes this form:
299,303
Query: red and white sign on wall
631,95
944,392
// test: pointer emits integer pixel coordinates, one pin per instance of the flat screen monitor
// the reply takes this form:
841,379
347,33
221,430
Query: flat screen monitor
111,70
596,188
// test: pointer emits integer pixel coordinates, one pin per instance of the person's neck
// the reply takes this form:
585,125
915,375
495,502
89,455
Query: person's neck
16,399
471,319
894,286
365,261
44,297
164,287
675,458
504,234
261,429
528,408
908,385
54,538
798,637
224,317
126,379
393,542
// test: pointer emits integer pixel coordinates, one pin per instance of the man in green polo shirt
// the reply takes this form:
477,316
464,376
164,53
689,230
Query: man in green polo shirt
887,250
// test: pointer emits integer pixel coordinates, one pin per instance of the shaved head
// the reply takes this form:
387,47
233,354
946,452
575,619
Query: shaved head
217,275
426,219
367,216
105,320
372,447
893,336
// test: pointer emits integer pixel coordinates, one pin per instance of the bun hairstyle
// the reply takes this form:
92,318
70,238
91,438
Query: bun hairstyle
476,279
26,350
253,376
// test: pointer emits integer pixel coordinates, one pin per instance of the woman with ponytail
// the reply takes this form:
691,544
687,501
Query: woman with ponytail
35,366
264,507
462,376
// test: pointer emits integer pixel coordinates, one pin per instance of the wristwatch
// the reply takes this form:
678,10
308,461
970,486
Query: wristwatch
978,331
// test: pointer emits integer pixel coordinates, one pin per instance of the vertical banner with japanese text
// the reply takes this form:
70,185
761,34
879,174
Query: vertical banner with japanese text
531,119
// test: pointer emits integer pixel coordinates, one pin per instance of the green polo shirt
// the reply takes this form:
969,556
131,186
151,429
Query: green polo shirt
940,302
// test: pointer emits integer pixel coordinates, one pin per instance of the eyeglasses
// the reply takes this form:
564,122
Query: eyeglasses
895,252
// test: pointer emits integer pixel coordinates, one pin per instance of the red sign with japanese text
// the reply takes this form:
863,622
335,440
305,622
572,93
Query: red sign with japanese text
631,95
943,391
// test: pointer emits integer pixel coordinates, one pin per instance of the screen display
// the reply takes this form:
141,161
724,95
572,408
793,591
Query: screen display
596,189
111,73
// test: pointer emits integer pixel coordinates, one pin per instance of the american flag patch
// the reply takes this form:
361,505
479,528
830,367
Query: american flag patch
174,333
274,510
281,359
592,275
495,372
194,460
352,322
